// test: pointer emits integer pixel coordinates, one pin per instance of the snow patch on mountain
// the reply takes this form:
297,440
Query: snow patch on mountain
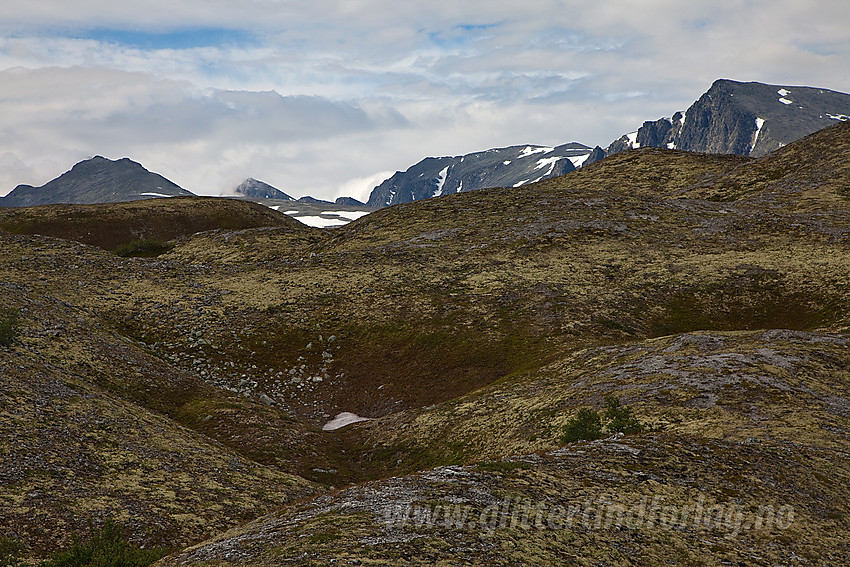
529,150
441,181
759,124
551,162
579,160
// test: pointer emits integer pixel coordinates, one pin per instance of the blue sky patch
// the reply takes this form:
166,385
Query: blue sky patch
174,39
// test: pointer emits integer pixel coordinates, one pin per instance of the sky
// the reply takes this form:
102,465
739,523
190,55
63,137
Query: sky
329,98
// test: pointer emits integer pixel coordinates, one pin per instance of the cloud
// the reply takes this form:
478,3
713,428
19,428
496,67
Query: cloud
316,97
71,114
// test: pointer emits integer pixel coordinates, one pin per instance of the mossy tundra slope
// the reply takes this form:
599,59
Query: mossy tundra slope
185,394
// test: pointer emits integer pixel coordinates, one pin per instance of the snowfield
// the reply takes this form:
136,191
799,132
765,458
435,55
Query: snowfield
320,222
343,419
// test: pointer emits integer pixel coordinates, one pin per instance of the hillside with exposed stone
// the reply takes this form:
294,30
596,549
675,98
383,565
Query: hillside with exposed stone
708,293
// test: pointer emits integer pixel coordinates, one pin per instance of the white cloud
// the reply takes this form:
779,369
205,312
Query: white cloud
315,97
361,187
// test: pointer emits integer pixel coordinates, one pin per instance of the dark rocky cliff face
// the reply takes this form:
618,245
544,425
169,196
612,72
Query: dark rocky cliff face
662,133
742,118
717,123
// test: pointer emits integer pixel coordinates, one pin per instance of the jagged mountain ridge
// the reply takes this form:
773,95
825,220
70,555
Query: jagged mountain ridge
742,118
730,118
498,167
96,180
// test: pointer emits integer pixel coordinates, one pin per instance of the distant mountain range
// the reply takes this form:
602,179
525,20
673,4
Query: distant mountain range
500,167
96,180
730,118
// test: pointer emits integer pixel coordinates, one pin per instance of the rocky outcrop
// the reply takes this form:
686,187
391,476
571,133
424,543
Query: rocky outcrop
349,202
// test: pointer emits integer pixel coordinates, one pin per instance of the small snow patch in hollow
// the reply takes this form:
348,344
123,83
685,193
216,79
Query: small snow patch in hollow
343,419
350,215
632,137
154,195
275,207
671,145
291,212
783,92
506,162
842,117
320,222
786,101
523,182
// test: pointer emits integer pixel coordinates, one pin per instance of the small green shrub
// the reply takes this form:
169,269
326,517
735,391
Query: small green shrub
106,547
10,326
585,425
10,551
620,419
146,248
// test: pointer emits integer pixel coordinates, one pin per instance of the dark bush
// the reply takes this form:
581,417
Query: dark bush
10,326
10,550
620,419
585,425
147,248
105,547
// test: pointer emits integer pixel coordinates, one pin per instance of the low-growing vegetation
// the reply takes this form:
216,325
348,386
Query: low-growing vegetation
105,547
10,552
10,325
588,425
146,248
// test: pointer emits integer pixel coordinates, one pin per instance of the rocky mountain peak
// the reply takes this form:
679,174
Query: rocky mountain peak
255,189
742,118
97,180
